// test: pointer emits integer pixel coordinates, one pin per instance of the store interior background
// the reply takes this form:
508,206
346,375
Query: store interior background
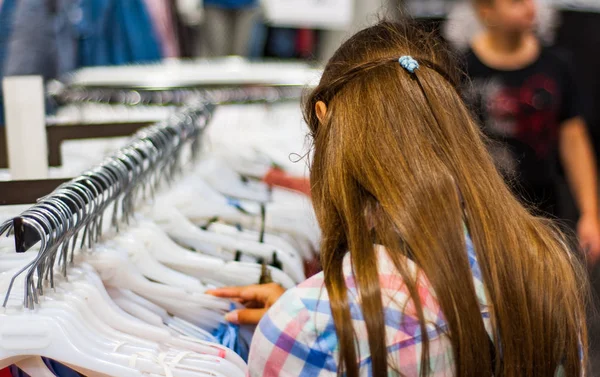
576,28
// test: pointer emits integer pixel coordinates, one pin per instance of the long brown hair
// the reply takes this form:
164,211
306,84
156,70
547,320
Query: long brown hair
399,154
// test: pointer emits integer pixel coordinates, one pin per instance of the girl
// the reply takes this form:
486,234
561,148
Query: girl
527,102
431,266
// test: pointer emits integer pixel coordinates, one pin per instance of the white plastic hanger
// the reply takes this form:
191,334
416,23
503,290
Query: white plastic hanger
151,268
139,305
130,302
116,271
111,313
226,181
252,235
23,332
180,229
45,333
283,247
199,202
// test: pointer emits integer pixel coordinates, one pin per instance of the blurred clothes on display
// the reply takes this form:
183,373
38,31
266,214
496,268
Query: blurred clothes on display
281,42
38,39
116,32
227,27
163,19
290,43
278,177
7,9
230,4
58,36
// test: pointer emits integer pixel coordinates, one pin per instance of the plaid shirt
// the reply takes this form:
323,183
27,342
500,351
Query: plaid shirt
297,336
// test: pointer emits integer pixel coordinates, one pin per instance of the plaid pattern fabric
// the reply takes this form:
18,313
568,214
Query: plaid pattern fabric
297,336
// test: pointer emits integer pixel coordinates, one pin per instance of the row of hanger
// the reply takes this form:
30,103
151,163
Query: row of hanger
64,95
127,251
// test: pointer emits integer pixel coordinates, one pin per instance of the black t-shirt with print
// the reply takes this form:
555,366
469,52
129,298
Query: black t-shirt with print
521,111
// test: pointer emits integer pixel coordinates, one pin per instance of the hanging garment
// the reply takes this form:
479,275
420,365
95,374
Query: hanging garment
227,31
230,4
228,334
43,39
53,38
277,177
7,9
281,42
306,43
162,20
116,32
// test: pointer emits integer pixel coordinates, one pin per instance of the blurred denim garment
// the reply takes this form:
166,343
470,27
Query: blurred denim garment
53,37
43,40
6,16
281,42
115,32
258,40
231,4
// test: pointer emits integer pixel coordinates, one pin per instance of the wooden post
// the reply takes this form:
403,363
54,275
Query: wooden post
25,115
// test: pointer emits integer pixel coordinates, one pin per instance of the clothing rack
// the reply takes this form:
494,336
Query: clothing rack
176,96
57,133
27,191
153,153
80,204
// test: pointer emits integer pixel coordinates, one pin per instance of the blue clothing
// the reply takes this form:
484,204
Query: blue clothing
234,337
76,33
230,336
115,32
42,40
59,369
7,11
230,4
6,20
53,38
282,42
56,368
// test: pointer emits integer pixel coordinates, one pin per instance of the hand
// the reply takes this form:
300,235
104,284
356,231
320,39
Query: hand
588,230
257,299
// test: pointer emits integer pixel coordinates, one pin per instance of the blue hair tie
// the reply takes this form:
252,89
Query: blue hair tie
409,63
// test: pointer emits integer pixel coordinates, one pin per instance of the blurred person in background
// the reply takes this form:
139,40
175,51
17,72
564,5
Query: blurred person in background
227,27
527,101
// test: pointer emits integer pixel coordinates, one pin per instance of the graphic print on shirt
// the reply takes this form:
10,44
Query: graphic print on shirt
525,118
